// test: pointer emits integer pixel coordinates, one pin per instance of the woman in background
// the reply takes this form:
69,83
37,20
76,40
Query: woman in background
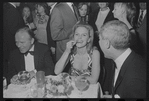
83,10
126,12
40,20
26,13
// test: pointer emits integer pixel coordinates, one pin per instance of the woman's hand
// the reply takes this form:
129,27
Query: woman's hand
80,78
70,45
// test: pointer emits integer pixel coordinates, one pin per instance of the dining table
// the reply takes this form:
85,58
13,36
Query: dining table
25,90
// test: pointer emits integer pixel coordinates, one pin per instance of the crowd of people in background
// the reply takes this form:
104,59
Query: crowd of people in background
72,37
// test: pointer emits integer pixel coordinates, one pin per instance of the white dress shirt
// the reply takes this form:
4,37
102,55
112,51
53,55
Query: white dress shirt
29,61
52,7
70,5
13,4
119,62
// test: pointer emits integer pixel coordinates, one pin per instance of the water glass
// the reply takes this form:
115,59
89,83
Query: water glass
82,84
40,78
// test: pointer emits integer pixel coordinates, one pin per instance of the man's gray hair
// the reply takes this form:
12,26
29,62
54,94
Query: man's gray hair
117,33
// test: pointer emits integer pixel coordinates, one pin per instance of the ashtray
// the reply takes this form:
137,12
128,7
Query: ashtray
23,76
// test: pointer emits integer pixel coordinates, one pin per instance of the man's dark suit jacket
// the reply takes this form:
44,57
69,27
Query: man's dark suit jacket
12,21
131,81
142,37
51,42
42,61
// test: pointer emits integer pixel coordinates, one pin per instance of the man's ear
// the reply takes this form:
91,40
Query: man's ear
32,41
107,44
123,10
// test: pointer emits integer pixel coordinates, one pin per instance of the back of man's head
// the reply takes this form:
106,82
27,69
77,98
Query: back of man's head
117,33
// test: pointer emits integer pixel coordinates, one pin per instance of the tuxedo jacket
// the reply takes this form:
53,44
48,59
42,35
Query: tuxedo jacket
62,21
42,61
131,81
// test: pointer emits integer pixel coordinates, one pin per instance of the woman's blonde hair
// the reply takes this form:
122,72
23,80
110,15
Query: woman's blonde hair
91,35
130,11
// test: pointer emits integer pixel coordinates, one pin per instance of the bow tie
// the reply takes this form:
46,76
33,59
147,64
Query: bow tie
31,52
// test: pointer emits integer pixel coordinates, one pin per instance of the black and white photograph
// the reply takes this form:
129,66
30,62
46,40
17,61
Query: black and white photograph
74,50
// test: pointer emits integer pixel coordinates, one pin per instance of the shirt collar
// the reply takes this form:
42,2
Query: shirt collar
69,3
120,60
143,10
32,48
13,4
107,10
52,7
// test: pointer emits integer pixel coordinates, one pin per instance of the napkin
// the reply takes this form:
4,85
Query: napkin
116,96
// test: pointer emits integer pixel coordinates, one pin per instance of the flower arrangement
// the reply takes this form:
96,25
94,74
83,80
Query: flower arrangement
21,78
59,85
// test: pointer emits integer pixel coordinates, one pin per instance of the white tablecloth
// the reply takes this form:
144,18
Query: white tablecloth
23,91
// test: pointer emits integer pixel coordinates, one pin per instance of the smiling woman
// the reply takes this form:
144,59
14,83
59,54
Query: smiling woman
83,56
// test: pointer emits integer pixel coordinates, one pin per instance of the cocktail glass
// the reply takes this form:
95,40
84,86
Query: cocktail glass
82,85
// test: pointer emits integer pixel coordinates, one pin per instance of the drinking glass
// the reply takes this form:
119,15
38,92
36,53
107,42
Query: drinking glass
82,84
40,78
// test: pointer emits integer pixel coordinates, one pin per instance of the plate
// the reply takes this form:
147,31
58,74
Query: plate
21,78
59,85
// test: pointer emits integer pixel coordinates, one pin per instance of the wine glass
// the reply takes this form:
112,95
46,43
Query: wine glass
82,84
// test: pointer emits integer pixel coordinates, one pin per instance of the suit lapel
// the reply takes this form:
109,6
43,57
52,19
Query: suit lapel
123,70
96,14
73,13
144,19
76,13
36,56
22,62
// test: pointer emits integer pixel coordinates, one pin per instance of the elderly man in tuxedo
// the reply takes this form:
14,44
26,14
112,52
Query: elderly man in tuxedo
63,18
30,56
128,75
